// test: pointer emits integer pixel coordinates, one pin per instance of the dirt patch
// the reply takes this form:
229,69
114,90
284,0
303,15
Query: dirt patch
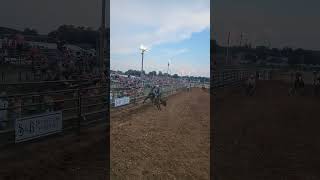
267,136
71,156
170,144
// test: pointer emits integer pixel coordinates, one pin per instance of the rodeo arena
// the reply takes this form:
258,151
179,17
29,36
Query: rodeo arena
54,109
266,122
161,139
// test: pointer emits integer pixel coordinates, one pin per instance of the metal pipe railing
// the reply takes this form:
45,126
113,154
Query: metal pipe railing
230,77
70,107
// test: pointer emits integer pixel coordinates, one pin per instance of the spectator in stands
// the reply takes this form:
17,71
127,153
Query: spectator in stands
96,90
317,86
49,103
2,57
104,77
17,108
3,110
48,76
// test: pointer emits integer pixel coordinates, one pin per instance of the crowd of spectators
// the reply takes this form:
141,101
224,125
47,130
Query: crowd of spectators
62,64
126,85
48,63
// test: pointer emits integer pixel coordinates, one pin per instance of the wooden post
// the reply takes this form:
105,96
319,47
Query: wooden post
241,39
79,108
227,57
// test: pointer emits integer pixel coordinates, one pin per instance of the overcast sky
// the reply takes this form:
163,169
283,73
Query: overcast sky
47,15
292,23
173,30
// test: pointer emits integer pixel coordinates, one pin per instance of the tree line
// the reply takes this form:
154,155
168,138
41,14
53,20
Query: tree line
137,73
294,56
132,72
64,33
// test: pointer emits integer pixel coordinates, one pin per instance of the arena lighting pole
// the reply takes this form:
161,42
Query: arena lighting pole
168,68
102,35
168,71
241,35
143,49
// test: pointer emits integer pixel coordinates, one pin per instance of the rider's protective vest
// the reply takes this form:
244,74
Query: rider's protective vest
157,91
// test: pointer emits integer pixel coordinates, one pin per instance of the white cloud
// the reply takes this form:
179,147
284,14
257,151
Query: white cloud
190,70
172,53
155,22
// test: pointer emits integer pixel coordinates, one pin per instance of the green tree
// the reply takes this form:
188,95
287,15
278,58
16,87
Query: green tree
152,73
175,76
296,57
133,72
29,31
75,35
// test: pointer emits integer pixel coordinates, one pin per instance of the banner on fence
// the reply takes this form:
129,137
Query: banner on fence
32,127
121,101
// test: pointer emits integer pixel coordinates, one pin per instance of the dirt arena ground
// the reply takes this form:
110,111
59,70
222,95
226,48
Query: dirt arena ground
68,157
268,136
170,144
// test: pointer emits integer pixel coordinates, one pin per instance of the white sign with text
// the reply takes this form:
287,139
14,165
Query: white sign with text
121,101
36,126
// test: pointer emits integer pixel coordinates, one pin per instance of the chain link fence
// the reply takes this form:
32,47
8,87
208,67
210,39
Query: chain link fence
237,76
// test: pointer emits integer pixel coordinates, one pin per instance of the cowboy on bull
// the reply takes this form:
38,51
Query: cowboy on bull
316,84
155,96
157,92
298,83
251,85
150,94
154,93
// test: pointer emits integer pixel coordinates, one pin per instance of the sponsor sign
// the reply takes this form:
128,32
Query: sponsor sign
121,101
36,126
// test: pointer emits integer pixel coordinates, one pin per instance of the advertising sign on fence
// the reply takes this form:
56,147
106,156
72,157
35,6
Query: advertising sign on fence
32,127
121,101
